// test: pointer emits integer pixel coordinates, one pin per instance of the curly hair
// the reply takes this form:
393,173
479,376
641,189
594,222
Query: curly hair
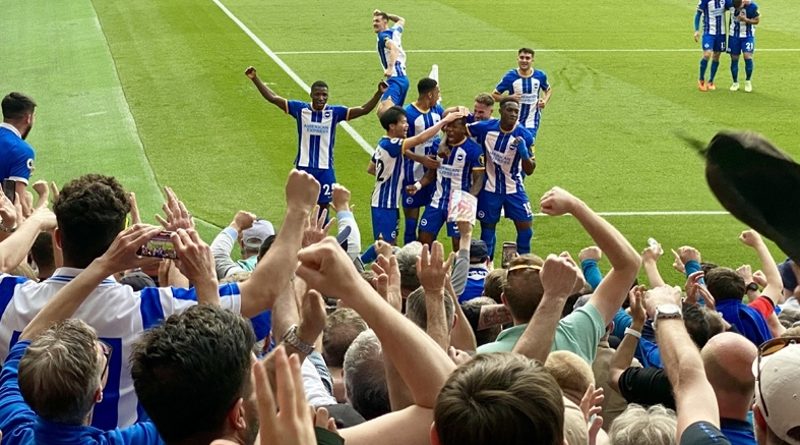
91,211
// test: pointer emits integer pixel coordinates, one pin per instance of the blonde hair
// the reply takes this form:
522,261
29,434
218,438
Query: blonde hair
571,372
654,426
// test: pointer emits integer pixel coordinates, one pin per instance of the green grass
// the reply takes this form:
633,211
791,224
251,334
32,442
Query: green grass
156,96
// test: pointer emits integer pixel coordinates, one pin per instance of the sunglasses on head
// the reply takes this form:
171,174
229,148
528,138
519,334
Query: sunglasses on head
766,349
524,266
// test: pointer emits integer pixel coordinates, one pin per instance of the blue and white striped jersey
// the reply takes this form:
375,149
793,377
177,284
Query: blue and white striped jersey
316,133
455,172
503,162
395,34
388,172
739,29
529,87
419,121
714,15
116,312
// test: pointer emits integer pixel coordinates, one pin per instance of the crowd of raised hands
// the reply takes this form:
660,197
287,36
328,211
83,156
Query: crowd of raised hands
576,341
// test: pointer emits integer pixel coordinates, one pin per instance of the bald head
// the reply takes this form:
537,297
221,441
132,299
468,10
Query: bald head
728,360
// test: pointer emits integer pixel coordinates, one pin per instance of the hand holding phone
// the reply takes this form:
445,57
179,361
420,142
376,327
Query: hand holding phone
160,246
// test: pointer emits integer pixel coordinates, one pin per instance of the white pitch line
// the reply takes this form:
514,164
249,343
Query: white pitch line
272,55
660,213
463,50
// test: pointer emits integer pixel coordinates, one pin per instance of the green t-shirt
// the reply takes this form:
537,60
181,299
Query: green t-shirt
579,332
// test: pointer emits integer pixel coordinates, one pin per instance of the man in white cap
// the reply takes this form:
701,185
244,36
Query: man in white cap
250,232
777,407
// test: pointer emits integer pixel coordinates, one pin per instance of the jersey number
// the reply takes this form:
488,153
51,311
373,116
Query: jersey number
326,189
379,168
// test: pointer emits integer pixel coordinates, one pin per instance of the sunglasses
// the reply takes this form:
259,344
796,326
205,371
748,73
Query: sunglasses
525,267
766,349
107,350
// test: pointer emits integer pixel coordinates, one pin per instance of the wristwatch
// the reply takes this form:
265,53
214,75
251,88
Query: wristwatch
752,287
666,312
291,339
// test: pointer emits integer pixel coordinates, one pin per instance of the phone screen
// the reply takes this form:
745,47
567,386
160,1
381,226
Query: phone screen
509,252
160,246
10,189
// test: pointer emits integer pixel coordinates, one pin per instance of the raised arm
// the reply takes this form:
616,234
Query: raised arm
15,248
774,287
627,348
266,91
277,266
559,279
326,267
625,261
120,255
650,256
432,273
223,243
393,17
694,397
356,112
430,132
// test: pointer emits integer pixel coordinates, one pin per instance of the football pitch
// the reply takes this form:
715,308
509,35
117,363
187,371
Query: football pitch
153,92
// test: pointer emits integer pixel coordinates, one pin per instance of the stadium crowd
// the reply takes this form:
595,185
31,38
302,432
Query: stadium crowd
118,331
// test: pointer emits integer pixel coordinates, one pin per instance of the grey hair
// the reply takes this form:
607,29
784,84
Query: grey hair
59,373
407,263
417,310
364,376
653,426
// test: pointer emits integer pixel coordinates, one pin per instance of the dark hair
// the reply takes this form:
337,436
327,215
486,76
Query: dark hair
699,324
494,283
506,100
265,246
725,284
391,116
485,99
17,105
90,211
42,251
319,84
737,4
526,51
500,398
706,266
426,85
189,371
381,14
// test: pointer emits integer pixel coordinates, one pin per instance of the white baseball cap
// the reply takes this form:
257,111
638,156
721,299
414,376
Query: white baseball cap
778,387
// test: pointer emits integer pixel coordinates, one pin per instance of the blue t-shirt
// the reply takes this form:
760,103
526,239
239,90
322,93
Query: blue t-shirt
476,278
738,432
16,156
20,425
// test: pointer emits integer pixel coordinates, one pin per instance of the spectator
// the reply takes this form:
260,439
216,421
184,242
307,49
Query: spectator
365,381
486,318
776,392
250,232
572,374
42,255
16,155
341,328
91,211
493,284
479,268
636,425
727,359
728,287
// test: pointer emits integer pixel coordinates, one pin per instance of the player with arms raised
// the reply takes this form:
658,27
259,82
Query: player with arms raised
713,15
529,87
509,151
744,18
316,128
392,57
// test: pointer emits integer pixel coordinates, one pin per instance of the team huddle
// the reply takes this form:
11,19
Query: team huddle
414,168
742,20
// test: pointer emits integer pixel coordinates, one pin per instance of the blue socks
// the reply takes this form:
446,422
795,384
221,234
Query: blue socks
489,237
703,66
524,240
748,67
410,234
714,66
735,70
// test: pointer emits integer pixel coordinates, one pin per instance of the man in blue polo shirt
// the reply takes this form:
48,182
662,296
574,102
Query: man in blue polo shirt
16,155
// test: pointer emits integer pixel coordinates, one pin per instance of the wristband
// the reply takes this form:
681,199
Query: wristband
633,332
417,186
